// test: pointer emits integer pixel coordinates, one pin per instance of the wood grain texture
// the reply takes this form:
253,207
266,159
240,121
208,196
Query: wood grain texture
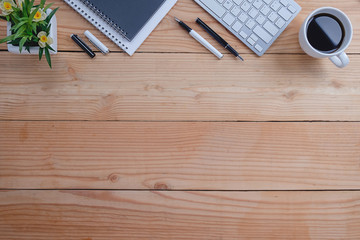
210,156
99,215
156,87
169,37
179,179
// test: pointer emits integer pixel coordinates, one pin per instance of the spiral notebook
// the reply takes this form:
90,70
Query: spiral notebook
126,22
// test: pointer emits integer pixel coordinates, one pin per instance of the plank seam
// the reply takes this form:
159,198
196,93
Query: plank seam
184,121
179,190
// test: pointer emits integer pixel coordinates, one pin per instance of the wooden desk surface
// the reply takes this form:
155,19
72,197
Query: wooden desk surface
137,148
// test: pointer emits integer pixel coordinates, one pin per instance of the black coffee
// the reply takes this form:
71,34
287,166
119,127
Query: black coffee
325,33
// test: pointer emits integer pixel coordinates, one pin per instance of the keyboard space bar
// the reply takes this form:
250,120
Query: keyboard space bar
215,7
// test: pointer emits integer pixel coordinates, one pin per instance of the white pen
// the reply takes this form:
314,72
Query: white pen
96,42
200,39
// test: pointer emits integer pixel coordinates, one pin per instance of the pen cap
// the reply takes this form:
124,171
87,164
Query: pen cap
96,42
82,45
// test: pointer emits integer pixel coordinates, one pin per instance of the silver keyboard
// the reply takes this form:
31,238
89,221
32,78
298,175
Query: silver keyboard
257,23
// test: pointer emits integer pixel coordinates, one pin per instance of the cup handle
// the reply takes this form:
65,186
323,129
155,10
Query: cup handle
341,60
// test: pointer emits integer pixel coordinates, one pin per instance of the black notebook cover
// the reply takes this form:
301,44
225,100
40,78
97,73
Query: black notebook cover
129,15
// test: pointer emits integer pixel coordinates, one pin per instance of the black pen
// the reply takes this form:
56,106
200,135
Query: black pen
83,45
200,39
218,38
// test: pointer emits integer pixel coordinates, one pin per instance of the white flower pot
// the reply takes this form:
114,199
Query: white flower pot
35,50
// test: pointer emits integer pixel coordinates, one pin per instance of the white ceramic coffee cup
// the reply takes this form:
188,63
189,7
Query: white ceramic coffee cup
339,57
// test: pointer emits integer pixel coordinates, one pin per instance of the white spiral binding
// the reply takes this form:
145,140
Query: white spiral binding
104,17
100,21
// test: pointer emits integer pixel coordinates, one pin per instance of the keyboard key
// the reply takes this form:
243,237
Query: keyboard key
285,14
273,16
237,26
271,28
260,19
252,42
292,9
235,11
257,23
275,5
280,23
243,17
265,10
214,7
262,34
257,4
243,34
253,13
250,23
284,2
229,19
245,6
228,4
258,47
254,37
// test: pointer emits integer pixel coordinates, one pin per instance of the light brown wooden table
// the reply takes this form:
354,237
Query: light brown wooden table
137,148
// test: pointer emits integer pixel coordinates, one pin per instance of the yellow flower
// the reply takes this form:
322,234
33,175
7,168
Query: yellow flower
6,7
44,39
40,15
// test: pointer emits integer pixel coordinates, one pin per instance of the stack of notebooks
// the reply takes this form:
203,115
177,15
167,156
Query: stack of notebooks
126,22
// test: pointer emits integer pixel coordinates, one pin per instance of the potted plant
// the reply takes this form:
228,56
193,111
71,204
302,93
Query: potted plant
30,27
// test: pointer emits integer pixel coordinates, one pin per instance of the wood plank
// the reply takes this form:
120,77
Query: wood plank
178,87
44,215
155,155
169,37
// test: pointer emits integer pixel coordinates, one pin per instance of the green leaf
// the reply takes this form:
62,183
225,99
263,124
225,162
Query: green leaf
14,28
48,6
31,5
28,30
33,27
16,9
7,39
24,8
27,48
47,30
42,3
22,42
15,42
41,52
15,17
51,15
47,55
50,48
20,31
43,24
